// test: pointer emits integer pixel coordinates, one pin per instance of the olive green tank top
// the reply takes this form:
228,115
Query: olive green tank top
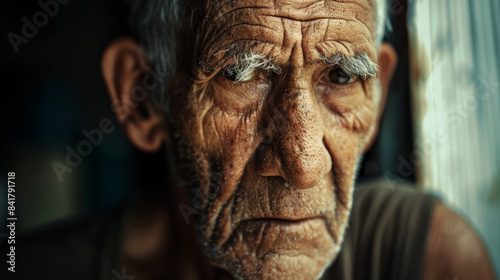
387,234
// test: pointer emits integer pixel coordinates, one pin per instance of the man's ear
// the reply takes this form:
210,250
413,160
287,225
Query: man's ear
387,60
130,85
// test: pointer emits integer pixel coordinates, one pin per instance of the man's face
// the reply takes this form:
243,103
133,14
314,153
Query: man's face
270,160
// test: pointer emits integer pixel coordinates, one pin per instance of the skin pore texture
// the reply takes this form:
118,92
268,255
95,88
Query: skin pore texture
266,157
271,160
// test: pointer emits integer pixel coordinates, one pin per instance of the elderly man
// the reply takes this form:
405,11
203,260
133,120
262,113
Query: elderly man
265,113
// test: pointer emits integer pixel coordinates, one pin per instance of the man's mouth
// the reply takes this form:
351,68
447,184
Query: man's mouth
288,221
280,236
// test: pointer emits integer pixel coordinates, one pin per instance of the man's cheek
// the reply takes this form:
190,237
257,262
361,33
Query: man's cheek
229,135
359,119
353,112
344,139
230,141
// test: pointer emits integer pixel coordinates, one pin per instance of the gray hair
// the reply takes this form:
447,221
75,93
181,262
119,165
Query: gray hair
157,22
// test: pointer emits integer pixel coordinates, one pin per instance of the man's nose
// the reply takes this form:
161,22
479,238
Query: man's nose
294,147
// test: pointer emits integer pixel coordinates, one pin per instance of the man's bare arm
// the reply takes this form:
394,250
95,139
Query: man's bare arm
454,249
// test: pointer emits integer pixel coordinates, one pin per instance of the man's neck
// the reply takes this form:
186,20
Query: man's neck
159,244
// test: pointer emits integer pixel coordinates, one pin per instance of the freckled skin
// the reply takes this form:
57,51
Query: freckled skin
259,154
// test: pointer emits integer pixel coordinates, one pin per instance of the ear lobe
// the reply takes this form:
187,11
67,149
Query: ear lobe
124,68
387,60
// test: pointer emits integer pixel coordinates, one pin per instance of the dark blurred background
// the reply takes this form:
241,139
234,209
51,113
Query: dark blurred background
52,90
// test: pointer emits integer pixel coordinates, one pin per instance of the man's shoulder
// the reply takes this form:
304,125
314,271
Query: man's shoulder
402,232
455,250
69,249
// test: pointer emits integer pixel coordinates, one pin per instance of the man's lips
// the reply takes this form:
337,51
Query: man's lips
281,223
282,236
282,220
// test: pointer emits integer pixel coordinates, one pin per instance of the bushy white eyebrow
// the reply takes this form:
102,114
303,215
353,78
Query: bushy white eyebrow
245,63
360,66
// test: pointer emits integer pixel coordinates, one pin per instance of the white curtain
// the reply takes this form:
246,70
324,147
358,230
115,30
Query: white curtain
455,59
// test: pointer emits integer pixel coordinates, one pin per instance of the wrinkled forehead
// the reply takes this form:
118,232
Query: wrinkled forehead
282,28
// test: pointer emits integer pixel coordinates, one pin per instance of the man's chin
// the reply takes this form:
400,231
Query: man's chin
277,249
290,266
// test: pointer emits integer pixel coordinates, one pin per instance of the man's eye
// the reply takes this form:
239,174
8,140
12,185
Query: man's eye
234,77
230,75
337,76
